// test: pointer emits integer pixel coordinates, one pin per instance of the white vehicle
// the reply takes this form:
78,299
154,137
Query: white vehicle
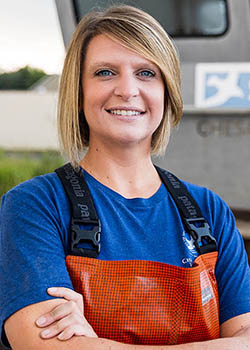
211,147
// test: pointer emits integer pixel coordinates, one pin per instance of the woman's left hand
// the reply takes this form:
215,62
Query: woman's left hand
66,319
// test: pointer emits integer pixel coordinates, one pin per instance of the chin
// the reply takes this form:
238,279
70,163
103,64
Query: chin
133,141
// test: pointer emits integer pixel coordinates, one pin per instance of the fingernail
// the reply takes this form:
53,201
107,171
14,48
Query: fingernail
45,333
52,289
61,336
41,321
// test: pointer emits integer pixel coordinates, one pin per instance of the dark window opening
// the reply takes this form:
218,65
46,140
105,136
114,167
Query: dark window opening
180,18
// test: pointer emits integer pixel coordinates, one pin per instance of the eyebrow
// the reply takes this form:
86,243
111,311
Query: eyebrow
99,64
106,64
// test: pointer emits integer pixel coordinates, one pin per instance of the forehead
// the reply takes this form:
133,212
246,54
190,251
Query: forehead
103,48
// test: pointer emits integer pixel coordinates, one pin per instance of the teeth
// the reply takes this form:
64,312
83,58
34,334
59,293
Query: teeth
124,112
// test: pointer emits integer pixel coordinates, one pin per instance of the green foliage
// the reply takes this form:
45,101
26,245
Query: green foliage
21,79
19,167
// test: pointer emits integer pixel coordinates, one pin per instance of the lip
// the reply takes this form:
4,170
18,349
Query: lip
126,118
130,108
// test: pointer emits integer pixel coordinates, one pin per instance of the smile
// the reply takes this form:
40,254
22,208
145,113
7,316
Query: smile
124,112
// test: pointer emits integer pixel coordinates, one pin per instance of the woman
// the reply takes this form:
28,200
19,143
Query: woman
119,99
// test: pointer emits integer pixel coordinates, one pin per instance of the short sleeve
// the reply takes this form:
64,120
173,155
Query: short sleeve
34,219
232,269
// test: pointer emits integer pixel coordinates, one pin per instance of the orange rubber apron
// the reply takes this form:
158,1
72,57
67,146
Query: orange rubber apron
146,302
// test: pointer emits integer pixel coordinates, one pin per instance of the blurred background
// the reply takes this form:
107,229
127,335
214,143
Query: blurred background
211,147
31,58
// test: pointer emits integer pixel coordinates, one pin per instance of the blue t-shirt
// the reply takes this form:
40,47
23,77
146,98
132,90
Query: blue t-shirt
34,238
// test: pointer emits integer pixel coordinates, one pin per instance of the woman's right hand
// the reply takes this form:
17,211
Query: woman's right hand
66,319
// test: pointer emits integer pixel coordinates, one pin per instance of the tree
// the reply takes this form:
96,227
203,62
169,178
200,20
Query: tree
21,79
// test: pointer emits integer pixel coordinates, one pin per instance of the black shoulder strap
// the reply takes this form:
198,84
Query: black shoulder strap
190,212
83,213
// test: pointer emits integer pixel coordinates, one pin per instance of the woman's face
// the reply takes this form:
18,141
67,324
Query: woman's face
123,94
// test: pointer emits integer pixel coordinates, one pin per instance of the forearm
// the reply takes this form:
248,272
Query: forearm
81,343
241,342
23,322
232,343
85,343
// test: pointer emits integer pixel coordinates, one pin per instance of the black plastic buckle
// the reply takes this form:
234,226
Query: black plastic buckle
92,237
201,233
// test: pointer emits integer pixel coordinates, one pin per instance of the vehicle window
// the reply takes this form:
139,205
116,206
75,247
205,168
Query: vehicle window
181,18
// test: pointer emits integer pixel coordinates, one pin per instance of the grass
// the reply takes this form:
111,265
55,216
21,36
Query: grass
16,167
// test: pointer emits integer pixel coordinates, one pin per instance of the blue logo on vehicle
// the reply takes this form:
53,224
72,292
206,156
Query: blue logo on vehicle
223,85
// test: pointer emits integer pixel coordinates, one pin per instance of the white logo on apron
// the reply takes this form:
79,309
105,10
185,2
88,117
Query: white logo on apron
189,243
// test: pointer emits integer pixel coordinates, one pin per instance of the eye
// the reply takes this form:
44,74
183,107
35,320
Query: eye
146,73
104,73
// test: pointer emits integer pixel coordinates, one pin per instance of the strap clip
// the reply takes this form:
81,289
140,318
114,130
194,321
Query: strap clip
201,233
90,237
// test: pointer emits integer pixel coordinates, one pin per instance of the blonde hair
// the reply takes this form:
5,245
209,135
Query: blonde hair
137,31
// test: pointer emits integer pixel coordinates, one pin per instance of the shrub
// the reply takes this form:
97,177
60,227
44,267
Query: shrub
21,166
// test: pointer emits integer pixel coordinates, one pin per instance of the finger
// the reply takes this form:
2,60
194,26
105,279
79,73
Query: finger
63,292
77,323
56,328
58,313
78,330
67,294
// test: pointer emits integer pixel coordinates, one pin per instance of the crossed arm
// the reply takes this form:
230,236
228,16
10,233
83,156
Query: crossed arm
64,320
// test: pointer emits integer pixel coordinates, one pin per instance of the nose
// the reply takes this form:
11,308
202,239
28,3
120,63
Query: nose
126,87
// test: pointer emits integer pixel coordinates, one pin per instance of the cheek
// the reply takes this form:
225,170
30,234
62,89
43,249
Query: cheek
89,92
95,97
158,94
158,105
159,101
89,102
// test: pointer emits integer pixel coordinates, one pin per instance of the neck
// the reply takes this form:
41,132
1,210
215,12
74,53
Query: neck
130,173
